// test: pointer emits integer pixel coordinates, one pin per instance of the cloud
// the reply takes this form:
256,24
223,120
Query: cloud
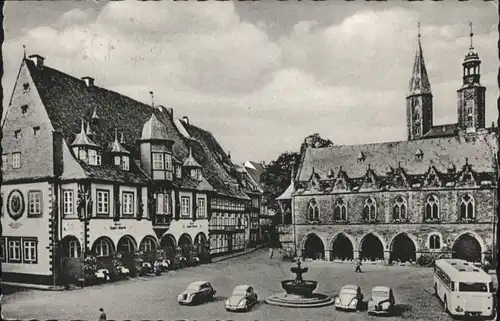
259,93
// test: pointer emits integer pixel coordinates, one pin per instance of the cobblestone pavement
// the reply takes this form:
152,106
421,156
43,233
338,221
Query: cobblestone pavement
155,297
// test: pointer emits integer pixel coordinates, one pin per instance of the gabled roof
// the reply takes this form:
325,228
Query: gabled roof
117,147
216,164
480,150
287,194
442,131
255,170
190,161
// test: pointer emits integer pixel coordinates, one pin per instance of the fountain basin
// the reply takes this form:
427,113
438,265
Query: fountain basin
293,301
304,288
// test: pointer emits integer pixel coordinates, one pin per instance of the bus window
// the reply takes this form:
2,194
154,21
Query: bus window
472,287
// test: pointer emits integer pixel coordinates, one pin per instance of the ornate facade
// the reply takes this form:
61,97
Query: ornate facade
432,194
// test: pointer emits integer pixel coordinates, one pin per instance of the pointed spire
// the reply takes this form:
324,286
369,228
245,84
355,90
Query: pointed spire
82,139
152,98
94,114
419,82
471,35
190,161
117,147
88,131
122,139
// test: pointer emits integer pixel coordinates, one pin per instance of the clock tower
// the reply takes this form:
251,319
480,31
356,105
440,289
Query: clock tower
419,98
471,96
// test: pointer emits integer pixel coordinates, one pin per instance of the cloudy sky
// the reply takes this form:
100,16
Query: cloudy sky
263,75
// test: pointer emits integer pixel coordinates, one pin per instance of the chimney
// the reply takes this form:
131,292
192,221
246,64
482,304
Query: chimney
229,154
170,112
493,124
263,163
38,60
185,119
89,81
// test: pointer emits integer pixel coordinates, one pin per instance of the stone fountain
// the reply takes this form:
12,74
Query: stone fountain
299,292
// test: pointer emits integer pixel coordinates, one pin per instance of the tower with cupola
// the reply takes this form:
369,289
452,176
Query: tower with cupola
471,95
419,98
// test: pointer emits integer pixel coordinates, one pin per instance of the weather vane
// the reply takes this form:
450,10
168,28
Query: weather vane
152,99
471,35
418,26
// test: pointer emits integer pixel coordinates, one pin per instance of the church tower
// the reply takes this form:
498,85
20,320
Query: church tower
471,96
419,98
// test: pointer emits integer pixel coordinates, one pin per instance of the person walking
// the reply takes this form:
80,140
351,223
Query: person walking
102,316
358,266
270,252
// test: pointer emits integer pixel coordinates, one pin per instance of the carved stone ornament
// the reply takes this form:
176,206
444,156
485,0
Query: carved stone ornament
15,204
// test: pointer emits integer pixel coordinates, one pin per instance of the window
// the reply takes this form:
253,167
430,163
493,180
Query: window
200,210
158,161
118,160
432,208
340,211
26,87
29,251
34,203
472,287
102,248
185,206
2,249
168,162
178,172
82,154
92,157
434,242
16,160
313,211
4,162
24,109
399,209
98,160
36,129
74,249
193,173
128,203
102,202
147,245
68,202
14,249
126,163
17,133
163,204
370,210
467,208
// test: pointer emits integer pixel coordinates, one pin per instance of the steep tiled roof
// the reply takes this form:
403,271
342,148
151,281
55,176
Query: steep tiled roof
478,150
216,164
153,129
81,139
419,82
255,171
442,131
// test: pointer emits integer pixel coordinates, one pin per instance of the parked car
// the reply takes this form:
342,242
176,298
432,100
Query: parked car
164,264
197,292
350,298
242,299
102,275
382,301
123,270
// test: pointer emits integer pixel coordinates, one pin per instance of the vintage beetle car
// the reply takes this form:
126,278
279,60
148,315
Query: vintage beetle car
102,274
242,299
382,301
350,298
197,292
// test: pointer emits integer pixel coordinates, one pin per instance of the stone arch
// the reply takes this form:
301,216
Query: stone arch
342,247
126,244
103,247
403,248
200,238
380,238
168,245
148,243
185,242
372,247
71,247
468,246
313,247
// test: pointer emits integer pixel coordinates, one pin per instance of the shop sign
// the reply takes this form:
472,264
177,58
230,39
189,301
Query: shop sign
117,226
191,225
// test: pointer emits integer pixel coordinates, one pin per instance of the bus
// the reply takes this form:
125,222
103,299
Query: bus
464,289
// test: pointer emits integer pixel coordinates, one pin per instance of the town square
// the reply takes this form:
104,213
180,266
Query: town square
250,161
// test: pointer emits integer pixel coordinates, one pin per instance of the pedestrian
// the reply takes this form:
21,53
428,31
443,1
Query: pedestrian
270,252
102,316
358,266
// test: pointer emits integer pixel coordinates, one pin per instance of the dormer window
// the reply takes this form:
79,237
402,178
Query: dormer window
194,173
158,163
24,109
419,154
118,160
92,157
82,155
126,163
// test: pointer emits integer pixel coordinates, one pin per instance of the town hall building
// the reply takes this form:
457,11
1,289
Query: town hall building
432,194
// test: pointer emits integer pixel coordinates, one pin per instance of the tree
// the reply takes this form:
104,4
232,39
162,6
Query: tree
315,141
277,174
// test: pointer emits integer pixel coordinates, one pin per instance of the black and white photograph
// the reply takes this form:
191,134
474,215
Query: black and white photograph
250,160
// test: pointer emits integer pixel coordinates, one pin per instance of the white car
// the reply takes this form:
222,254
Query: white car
382,301
102,274
164,264
350,298
123,270
242,299
197,292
